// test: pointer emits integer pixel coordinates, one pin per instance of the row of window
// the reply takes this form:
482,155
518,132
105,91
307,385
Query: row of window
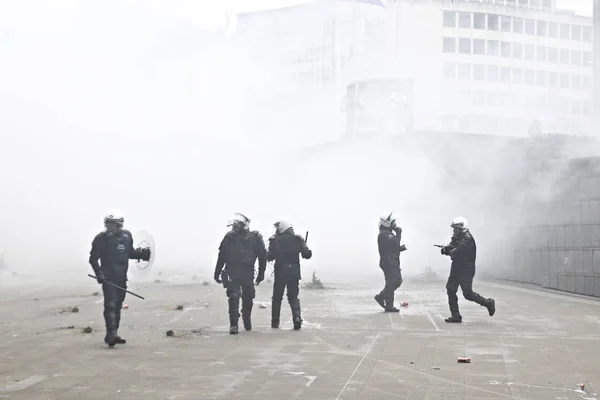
540,103
505,23
518,76
515,50
501,125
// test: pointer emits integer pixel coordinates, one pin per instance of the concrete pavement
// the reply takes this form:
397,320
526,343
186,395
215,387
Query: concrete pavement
539,345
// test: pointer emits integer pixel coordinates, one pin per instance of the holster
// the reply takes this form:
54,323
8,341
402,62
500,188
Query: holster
225,278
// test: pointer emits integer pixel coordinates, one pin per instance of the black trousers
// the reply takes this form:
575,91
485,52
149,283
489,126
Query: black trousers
113,301
240,287
393,280
286,277
463,279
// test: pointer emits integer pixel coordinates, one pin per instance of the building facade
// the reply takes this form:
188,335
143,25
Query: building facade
479,66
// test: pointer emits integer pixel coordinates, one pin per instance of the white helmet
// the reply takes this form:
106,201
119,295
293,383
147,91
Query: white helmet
387,220
460,222
239,219
114,216
282,225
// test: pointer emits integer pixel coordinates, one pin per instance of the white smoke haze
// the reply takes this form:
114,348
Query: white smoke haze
122,105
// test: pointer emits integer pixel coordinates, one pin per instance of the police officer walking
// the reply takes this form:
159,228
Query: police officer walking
390,248
238,252
463,252
114,248
285,247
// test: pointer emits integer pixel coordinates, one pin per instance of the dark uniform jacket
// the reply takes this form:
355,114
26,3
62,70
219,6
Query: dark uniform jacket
113,250
238,252
285,249
463,252
389,248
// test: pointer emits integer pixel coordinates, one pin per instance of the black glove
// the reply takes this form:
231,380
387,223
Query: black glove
260,277
218,277
100,277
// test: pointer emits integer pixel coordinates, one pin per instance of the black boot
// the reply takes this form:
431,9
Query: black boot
295,306
455,318
379,300
490,304
234,315
275,311
247,313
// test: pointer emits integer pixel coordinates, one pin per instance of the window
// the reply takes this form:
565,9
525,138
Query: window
540,78
576,106
576,57
529,52
586,82
575,32
493,48
493,23
553,79
565,57
464,71
541,54
505,75
553,30
529,77
450,71
518,50
542,28
587,59
492,73
479,98
449,45
565,32
517,74
576,82
464,20
553,54
492,99
464,46
505,23
478,21
449,19
505,48
529,27
478,72
518,25
564,81
479,46
587,34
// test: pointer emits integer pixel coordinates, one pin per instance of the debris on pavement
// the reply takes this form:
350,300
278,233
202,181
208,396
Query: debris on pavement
465,360
87,330
179,307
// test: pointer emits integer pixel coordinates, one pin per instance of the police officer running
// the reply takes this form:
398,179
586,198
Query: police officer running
463,252
390,248
285,247
114,248
238,252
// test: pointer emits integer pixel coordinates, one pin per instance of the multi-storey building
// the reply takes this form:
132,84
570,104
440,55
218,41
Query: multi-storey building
481,66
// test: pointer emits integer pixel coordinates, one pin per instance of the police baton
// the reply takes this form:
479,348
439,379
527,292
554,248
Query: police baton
118,287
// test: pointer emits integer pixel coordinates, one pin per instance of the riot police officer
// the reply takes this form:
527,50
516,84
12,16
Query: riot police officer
388,242
114,248
285,247
238,252
463,252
